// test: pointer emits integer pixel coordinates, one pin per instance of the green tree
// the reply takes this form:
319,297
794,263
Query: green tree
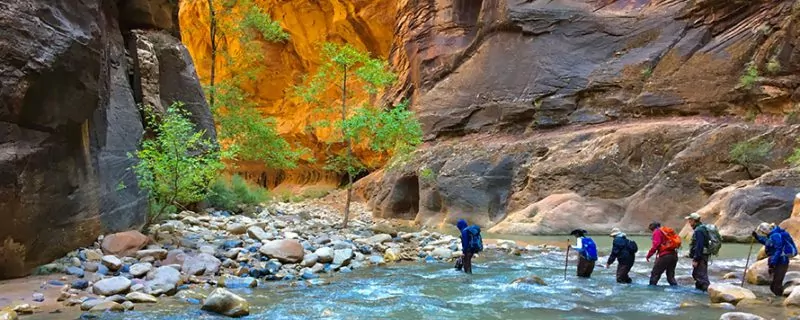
348,72
750,152
179,164
246,132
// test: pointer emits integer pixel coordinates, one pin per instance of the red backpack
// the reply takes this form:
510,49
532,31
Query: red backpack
672,241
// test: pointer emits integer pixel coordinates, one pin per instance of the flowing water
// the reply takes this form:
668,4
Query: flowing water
436,291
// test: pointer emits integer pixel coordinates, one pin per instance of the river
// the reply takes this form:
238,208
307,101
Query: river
436,291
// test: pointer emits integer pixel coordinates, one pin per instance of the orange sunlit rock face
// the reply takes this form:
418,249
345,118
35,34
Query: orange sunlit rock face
366,24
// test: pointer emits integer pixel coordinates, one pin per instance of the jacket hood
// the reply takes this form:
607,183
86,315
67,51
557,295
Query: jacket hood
777,229
461,224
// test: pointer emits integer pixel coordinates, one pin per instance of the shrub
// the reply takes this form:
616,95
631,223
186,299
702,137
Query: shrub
228,194
749,77
749,152
178,165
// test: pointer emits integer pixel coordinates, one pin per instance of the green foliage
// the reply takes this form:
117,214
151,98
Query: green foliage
748,79
647,73
247,134
794,159
228,194
426,174
773,66
179,164
750,152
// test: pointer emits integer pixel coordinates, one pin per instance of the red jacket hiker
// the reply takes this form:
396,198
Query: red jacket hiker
658,240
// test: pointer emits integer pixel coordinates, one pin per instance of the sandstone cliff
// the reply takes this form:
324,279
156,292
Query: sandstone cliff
71,80
543,116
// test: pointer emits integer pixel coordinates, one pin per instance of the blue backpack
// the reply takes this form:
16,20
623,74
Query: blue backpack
475,240
789,249
589,251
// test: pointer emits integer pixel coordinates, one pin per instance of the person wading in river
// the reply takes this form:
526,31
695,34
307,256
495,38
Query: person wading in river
587,253
697,252
471,243
666,242
624,251
780,247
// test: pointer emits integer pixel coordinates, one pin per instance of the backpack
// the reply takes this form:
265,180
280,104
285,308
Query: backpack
714,240
632,247
789,249
672,241
589,251
475,240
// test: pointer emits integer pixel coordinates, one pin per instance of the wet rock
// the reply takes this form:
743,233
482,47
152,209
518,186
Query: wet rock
224,302
107,306
310,260
165,280
758,273
138,297
232,282
325,254
190,294
124,243
286,251
530,280
158,254
140,269
793,299
203,263
443,253
723,306
258,233
38,297
8,314
112,263
377,260
740,316
731,275
80,284
342,256
128,305
90,303
112,286
392,255
723,292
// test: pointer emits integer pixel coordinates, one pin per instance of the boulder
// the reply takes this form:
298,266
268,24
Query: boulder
138,297
165,280
739,316
342,257
258,233
226,303
286,251
140,269
112,262
443,253
124,244
112,286
793,300
724,292
105,306
325,254
534,280
758,272
559,213
200,264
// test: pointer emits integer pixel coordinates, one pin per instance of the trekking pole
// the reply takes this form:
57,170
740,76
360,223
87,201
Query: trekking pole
566,261
747,263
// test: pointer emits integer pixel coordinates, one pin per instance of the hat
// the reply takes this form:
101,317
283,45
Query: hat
615,232
764,228
693,216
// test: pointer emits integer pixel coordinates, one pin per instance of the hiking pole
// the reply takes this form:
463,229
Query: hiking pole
749,252
566,261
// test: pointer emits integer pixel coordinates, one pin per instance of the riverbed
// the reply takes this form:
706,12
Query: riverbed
435,291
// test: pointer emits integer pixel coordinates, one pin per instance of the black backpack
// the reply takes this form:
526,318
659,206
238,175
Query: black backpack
632,247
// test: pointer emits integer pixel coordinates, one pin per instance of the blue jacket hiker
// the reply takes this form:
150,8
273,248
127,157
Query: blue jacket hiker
780,248
471,243
587,253
624,251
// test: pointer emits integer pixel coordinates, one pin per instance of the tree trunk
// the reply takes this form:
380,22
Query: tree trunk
349,150
213,33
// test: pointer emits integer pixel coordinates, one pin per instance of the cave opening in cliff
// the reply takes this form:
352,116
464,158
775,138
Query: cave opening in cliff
466,12
405,198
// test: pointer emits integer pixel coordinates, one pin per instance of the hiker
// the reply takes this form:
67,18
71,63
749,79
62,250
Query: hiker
780,247
587,253
624,251
471,243
697,252
666,242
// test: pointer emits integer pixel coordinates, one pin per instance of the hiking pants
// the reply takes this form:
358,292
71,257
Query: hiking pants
622,273
667,263
585,267
778,273
468,262
700,275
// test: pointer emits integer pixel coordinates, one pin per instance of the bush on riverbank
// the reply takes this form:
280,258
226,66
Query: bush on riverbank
229,193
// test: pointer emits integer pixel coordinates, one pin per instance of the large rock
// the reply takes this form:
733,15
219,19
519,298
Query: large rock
226,303
112,262
138,297
200,264
106,306
164,280
139,270
112,286
724,292
286,251
758,272
793,300
342,257
124,243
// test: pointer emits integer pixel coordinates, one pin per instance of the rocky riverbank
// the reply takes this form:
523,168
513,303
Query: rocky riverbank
195,257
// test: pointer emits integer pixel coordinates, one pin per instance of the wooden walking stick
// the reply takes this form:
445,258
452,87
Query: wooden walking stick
566,261
747,263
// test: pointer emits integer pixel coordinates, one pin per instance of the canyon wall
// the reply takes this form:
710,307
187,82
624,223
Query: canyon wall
69,87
